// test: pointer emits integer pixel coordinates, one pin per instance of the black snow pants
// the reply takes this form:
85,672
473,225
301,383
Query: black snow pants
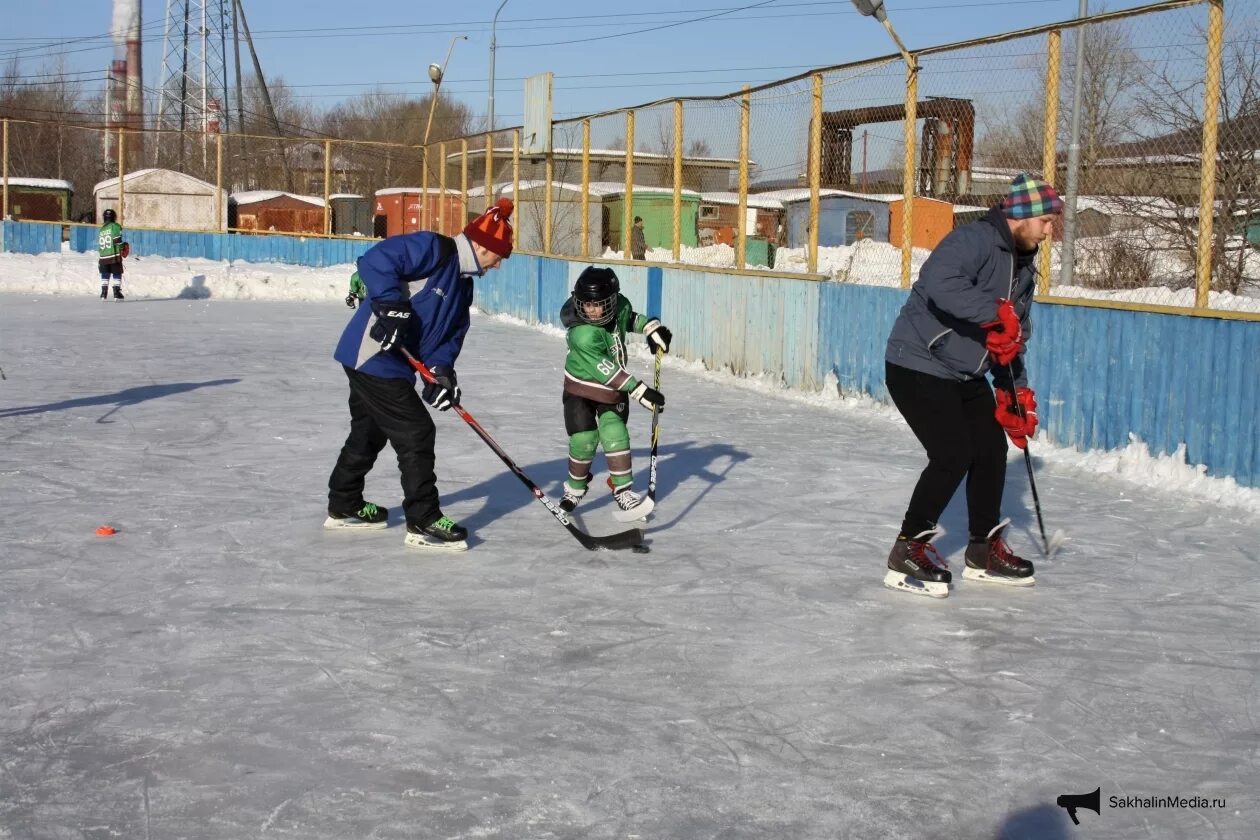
381,411
954,421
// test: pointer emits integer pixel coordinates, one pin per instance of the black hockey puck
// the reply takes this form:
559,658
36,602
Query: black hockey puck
640,549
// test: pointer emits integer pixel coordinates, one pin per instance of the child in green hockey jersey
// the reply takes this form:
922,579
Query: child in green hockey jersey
110,250
357,291
596,386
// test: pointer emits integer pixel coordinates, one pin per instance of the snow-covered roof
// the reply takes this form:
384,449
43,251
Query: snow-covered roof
255,196
1127,205
793,194
344,195
606,155
993,173
761,200
595,188
144,173
416,190
45,183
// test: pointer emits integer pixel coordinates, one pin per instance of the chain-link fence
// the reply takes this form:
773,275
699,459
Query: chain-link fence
1147,119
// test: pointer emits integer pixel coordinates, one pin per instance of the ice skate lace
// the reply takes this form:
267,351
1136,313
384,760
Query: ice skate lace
368,511
1000,552
444,524
925,556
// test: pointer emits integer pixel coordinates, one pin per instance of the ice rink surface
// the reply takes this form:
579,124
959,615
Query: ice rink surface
224,668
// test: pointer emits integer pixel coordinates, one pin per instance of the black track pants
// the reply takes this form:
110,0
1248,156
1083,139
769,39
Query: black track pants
381,411
954,422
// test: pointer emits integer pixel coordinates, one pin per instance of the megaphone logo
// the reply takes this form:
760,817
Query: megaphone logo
1072,801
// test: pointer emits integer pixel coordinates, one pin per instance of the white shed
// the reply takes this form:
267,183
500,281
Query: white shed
164,199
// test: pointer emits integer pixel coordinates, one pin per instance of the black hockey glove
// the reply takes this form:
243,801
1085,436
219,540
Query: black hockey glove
658,337
649,398
393,323
445,392
351,301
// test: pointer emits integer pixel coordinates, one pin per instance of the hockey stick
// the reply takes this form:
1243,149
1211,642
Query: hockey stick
1032,482
656,429
620,540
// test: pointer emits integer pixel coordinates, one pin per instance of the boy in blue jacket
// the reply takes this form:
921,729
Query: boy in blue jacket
384,405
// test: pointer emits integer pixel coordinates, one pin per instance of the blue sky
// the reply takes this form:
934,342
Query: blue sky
604,55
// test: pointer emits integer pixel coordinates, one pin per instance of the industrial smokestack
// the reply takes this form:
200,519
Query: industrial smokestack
130,99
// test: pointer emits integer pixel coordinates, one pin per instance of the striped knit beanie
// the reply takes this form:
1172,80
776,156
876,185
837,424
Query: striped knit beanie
1030,197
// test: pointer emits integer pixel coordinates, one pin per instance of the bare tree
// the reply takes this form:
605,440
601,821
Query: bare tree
1165,163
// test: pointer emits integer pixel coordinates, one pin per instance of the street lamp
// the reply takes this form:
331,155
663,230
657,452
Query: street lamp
436,72
493,44
875,9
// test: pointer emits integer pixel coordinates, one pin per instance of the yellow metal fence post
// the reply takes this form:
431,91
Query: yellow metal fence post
741,225
815,172
441,188
586,189
122,172
678,170
489,170
4,174
463,184
425,216
548,176
907,175
627,211
1049,147
219,222
516,165
1207,183
327,188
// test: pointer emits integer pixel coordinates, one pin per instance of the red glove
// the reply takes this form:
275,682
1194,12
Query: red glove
1006,335
1017,417
125,249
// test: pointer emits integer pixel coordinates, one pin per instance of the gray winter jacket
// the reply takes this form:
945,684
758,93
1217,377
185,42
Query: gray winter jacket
938,331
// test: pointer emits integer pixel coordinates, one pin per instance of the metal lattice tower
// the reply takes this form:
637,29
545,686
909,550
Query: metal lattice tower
194,80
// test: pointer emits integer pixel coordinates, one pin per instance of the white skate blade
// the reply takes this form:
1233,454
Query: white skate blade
982,576
914,586
351,523
639,511
425,542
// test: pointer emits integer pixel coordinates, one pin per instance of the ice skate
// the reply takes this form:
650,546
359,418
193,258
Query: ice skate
916,568
991,561
367,516
571,497
444,534
104,292
118,295
630,505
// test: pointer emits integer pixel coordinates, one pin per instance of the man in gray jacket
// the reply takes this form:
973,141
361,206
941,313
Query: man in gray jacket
967,316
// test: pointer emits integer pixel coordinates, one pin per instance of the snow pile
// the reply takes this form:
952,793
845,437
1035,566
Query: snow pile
71,273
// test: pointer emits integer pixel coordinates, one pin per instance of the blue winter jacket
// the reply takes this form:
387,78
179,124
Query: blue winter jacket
938,331
441,321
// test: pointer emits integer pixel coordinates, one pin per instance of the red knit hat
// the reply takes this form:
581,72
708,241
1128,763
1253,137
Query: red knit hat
491,230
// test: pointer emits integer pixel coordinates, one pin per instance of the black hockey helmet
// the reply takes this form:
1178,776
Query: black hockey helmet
596,285
109,216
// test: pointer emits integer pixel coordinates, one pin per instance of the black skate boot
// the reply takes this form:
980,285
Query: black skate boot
367,515
104,292
442,533
573,495
990,559
915,567
118,295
